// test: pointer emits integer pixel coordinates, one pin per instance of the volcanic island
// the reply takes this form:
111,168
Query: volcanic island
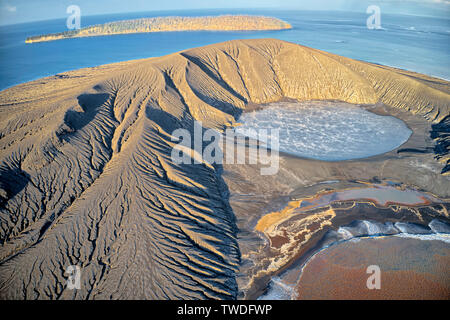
170,24
87,179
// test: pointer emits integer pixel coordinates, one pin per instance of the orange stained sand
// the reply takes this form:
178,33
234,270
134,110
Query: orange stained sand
276,217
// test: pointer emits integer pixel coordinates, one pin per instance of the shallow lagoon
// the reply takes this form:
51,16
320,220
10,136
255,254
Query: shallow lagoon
330,131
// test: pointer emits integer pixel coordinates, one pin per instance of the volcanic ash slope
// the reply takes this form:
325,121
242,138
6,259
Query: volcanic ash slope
86,177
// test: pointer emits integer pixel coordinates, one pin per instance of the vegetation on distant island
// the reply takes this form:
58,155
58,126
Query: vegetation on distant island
161,24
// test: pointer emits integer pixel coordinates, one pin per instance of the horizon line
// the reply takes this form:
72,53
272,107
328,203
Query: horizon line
206,9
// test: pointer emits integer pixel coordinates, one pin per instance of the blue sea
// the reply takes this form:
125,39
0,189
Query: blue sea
414,43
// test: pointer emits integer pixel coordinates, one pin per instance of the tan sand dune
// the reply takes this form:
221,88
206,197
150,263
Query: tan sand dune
86,176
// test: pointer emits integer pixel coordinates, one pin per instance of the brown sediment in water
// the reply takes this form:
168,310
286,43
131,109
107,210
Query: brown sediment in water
278,241
409,269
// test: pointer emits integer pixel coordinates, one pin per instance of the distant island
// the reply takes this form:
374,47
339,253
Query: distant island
164,24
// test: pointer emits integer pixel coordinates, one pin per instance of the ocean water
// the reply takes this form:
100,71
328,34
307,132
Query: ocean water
320,130
419,44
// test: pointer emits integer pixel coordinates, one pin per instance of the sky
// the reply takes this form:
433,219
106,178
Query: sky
19,11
